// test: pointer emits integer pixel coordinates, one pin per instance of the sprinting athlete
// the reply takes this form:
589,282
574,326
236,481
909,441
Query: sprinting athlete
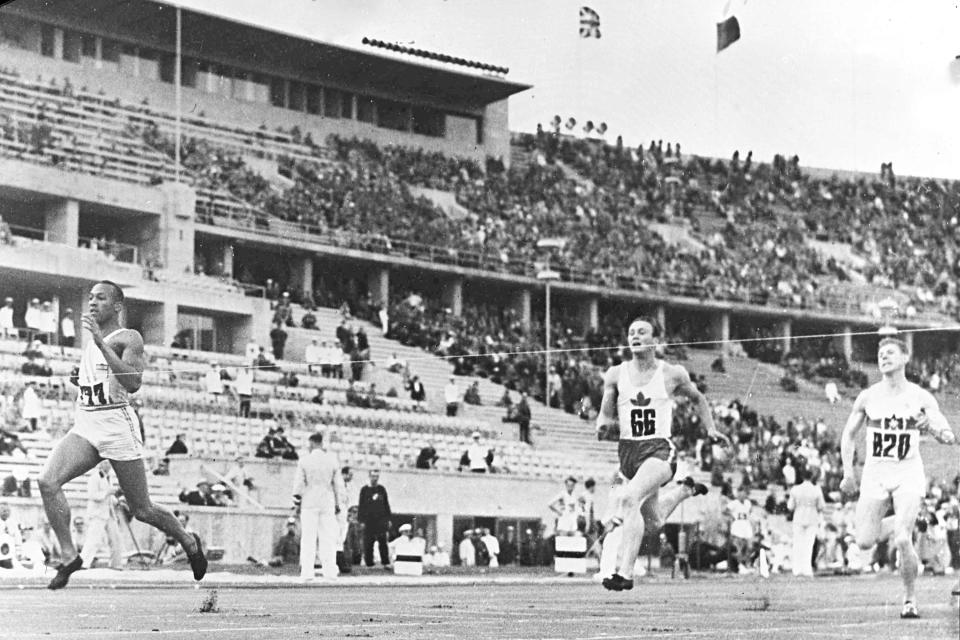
895,413
668,501
638,400
106,428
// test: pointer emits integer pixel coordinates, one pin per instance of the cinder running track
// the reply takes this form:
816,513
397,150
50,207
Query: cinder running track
541,608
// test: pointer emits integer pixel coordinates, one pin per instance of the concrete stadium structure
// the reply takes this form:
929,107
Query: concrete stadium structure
251,80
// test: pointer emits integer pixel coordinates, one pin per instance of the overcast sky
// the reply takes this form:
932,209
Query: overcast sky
843,83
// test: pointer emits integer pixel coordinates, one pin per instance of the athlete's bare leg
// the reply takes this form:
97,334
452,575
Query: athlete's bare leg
906,506
652,473
669,498
133,481
71,458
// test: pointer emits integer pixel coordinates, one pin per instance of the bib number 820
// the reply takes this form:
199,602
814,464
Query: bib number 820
884,445
643,422
88,394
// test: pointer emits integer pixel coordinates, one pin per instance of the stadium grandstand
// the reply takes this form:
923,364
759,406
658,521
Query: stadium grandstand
348,222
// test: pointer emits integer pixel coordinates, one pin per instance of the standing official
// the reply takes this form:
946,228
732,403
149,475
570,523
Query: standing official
102,518
807,503
318,496
375,515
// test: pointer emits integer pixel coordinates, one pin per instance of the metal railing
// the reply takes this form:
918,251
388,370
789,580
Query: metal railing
118,251
249,219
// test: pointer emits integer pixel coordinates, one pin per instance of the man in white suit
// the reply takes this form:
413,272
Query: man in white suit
807,503
102,524
318,495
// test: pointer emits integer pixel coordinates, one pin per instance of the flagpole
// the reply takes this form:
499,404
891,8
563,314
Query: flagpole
178,91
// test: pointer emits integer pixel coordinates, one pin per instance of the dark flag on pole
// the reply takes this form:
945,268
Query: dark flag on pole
589,23
728,32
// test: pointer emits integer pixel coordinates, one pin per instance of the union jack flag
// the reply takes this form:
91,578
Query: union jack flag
589,23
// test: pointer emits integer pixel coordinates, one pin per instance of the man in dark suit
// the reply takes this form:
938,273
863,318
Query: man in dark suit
375,515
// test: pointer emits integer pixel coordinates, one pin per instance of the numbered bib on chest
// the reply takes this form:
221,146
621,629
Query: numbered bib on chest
645,410
892,433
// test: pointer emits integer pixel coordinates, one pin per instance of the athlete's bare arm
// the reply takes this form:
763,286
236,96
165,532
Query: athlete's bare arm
933,421
679,379
848,441
607,415
128,365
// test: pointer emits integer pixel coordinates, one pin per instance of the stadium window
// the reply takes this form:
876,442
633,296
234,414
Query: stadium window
188,72
71,46
393,115
479,125
168,64
278,92
366,109
346,105
14,29
47,39
428,122
314,99
331,103
88,46
110,51
297,99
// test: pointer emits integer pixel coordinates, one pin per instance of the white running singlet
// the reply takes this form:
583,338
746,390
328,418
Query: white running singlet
645,412
99,388
892,433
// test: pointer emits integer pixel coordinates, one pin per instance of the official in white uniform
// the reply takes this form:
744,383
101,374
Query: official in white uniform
102,524
318,495
806,502
408,552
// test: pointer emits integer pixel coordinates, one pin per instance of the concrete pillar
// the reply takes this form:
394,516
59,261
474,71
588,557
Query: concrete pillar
177,227
445,531
660,313
58,44
521,304
453,296
160,324
62,222
908,338
848,343
378,284
590,313
786,332
721,329
301,275
227,259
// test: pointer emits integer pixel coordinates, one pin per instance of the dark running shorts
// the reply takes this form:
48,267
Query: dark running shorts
634,452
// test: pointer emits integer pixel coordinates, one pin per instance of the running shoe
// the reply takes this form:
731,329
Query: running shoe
198,561
617,582
698,488
909,610
63,573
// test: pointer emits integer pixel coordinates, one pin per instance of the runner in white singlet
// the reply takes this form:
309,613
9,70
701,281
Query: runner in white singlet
638,398
111,367
895,412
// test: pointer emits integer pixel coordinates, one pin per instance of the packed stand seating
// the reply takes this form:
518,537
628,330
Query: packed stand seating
356,189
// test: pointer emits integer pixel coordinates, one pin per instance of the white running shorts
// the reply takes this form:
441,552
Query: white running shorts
113,432
883,481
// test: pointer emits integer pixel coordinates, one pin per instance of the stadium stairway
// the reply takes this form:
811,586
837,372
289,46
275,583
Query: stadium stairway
551,429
